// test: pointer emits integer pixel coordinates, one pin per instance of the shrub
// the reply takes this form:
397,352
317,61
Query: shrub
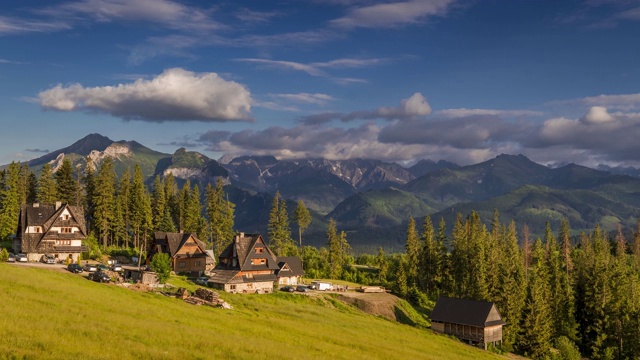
565,350
4,255
161,265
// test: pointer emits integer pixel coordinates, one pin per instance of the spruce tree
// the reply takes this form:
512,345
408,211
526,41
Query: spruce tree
158,201
47,192
303,219
336,256
412,249
383,266
537,322
221,216
139,209
9,200
430,269
104,200
66,182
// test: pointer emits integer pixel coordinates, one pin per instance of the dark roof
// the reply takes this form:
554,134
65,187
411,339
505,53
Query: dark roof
241,249
294,263
466,312
172,242
46,216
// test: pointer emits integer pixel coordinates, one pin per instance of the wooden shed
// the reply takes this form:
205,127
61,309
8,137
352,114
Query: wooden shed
477,322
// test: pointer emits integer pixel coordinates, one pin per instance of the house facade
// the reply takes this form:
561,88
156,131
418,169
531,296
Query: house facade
477,322
188,254
290,270
57,230
247,265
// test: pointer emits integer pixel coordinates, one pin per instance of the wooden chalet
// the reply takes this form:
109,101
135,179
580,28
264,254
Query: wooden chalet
56,230
187,252
247,265
290,270
477,322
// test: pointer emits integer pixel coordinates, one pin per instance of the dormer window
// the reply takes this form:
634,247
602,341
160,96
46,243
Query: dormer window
259,250
65,216
66,230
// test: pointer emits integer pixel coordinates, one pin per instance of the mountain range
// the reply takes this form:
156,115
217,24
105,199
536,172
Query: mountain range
372,200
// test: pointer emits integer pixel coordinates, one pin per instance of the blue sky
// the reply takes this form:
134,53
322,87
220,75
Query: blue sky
464,81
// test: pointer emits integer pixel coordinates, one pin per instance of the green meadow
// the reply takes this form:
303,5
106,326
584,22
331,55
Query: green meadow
55,315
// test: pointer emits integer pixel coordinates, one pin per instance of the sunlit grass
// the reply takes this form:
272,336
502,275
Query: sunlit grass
53,315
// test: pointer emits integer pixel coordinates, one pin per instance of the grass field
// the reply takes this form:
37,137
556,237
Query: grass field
56,315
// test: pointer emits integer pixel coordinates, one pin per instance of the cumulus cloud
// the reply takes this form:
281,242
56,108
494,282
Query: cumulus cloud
174,95
392,14
599,136
597,114
414,106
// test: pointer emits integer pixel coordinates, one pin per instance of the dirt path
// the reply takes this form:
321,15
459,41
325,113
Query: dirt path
381,304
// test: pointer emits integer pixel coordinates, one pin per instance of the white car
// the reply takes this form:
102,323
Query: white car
48,259
21,258
116,267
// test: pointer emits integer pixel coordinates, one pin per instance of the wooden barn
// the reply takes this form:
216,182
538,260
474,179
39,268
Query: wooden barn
477,322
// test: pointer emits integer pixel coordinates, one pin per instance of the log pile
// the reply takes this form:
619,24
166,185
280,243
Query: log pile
207,295
371,289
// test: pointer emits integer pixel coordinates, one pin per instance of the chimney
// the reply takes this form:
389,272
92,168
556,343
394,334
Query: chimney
241,234
36,205
181,231
58,204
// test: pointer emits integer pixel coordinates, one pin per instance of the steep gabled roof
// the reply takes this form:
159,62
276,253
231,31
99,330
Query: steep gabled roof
466,312
290,266
243,250
172,242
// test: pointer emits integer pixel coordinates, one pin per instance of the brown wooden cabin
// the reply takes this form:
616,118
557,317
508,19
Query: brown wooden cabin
187,252
247,265
57,229
477,322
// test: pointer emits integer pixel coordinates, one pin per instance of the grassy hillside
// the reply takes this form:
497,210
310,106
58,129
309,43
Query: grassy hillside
56,315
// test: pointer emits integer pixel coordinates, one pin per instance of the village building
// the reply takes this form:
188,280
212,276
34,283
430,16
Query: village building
290,270
477,322
188,254
247,265
57,230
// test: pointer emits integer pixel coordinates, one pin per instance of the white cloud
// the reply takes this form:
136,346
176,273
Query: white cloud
415,106
316,68
10,25
165,12
620,101
318,99
174,95
391,14
463,112
596,115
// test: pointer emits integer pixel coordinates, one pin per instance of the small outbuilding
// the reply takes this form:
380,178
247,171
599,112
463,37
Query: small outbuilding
477,322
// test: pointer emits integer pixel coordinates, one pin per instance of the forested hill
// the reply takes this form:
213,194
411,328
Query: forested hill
371,199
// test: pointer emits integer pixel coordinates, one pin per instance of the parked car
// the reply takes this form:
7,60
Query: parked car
102,267
48,259
100,276
288,288
90,267
21,258
202,280
116,267
302,288
74,268
11,258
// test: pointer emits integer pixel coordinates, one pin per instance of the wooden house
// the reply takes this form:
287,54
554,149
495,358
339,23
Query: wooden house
247,265
187,252
290,270
477,322
57,230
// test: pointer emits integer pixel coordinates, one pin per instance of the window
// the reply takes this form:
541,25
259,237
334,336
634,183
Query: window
197,263
258,261
182,264
263,261
259,250
65,230
232,287
65,217
38,229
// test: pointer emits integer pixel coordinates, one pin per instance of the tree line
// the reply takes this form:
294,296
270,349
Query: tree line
554,292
